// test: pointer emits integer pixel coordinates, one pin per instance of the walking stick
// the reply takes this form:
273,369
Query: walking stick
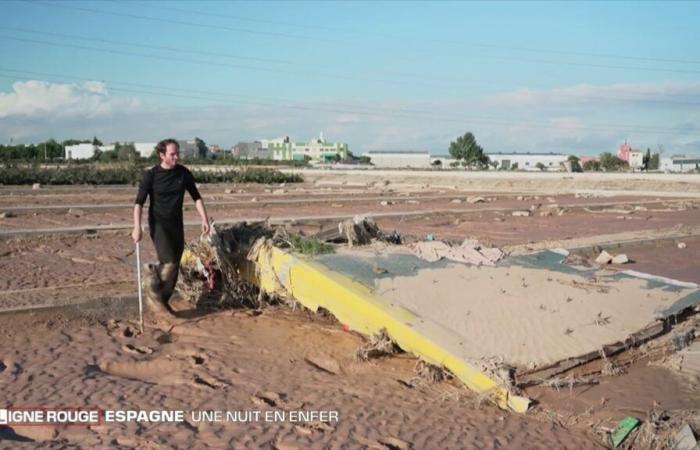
138,271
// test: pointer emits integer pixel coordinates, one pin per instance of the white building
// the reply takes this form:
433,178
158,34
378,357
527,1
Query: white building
284,149
145,149
636,159
85,151
679,163
528,161
399,159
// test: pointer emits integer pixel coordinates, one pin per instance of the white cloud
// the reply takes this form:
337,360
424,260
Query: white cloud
674,93
35,110
33,99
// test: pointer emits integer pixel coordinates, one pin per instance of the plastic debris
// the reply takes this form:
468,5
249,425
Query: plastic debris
623,429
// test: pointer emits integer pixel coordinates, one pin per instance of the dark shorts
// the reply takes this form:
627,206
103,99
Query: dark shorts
169,241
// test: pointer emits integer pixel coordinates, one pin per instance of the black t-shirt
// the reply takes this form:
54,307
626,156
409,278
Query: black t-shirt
167,191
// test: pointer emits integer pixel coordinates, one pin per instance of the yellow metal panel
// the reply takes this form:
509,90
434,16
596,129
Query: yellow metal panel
358,308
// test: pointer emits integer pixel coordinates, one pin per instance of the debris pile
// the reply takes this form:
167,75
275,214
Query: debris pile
359,230
469,251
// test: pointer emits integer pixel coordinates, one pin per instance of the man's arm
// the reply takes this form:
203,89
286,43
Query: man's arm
144,190
191,187
136,232
199,204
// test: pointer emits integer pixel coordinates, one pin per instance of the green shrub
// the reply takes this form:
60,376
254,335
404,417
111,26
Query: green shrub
130,174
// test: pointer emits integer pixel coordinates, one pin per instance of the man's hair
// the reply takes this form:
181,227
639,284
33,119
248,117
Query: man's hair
160,148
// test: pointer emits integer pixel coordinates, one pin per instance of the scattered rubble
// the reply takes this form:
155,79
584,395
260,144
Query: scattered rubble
620,259
474,199
606,258
7,215
76,212
520,213
470,252
682,245
36,186
377,345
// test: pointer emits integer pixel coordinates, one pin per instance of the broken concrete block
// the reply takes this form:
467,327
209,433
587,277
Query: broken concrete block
228,191
36,186
474,199
520,214
412,202
620,259
254,199
278,191
682,245
604,258
519,197
386,203
685,439
456,200
6,214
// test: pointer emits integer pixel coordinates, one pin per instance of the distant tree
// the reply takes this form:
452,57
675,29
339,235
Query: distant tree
591,166
436,163
126,152
654,161
365,160
201,148
611,163
494,164
514,166
454,164
96,141
75,141
541,166
646,159
466,148
575,162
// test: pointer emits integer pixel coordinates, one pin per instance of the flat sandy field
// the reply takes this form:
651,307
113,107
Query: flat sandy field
68,298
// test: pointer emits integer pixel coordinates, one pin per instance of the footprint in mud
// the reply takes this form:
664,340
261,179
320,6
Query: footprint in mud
166,338
2,366
261,400
269,398
158,371
197,360
201,379
142,350
392,443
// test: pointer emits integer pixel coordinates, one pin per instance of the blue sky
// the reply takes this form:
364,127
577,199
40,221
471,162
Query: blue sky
563,77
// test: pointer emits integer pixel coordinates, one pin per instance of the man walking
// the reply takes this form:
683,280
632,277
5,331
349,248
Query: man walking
166,184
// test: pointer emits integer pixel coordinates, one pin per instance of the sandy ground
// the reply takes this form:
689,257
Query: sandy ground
242,362
239,361
528,317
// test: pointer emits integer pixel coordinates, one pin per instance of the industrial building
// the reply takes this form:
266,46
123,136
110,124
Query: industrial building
680,163
399,158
